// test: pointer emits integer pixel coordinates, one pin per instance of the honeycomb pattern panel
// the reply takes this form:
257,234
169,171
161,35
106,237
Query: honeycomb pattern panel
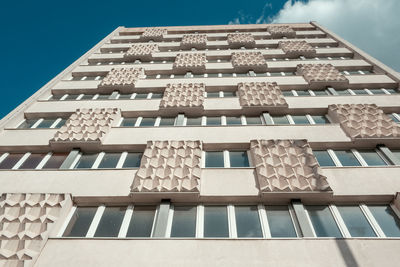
25,222
194,41
141,51
169,166
281,31
297,48
364,121
236,40
287,166
245,61
155,34
195,62
260,94
121,78
88,125
183,95
318,75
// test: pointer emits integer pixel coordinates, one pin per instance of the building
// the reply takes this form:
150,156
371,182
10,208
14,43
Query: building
234,145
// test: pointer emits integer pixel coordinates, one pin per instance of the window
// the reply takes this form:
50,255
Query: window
193,121
216,221
42,123
372,158
323,222
387,219
323,158
141,223
32,161
238,159
109,160
167,122
226,159
55,161
184,221
128,122
10,160
110,222
212,94
280,120
148,122
300,119
347,158
214,159
86,161
132,160
356,222
80,222
233,121
247,222
280,222
253,121
320,119
213,120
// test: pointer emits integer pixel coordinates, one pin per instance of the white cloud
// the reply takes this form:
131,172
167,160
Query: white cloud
373,26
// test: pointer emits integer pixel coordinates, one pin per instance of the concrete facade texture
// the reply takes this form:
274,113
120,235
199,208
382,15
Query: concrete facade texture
219,145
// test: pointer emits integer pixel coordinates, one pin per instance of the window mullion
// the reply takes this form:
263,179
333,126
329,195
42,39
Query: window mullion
57,121
264,221
310,119
290,119
371,219
157,122
334,158
121,160
232,221
138,121
98,160
359,157
200,221
339,220
125,222
66,222
95,221
36,124
227,162
21,161
169,221
44,161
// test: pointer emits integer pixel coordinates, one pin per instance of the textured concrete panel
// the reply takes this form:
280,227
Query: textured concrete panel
281,31
195,62
25,221
183,95
245,61
169,166
260,94
141,51
297,48
155,34
121,78
87,126
194,41
286,166
319,75
236,40
364,121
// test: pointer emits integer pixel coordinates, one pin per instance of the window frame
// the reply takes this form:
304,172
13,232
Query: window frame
226,159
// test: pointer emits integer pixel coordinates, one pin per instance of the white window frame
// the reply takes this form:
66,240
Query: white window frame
21,161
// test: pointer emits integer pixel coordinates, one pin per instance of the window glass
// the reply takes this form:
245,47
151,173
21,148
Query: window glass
213,120
229,94
128,122
193,121
109,160
80,222
387,219
372,158
239,159
320,119
303,92
46,123
392,91
287,93
318,93
233,121
56,97
184,221
71,97
27,124
86,161
360,91
214,159
132,160
394,118
110,222
212,94
103,97
167,122
147,121
280,222
253,120
141,222
300,119
343,92
216,221
377,91
355,221
323,222
157,95
396,153
32,161
125,96
280,119
323,158
11,160
141,96
60,123
347,158
247,221
55,161
87,97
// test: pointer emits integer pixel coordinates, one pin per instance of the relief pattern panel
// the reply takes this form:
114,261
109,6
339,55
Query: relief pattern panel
297,48
245,61
141,51
236,40
155,34
263,94
320,75
183,95
281,31
121,78
195,62
194,40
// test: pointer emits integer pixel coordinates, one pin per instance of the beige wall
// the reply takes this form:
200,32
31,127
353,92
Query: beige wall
291,252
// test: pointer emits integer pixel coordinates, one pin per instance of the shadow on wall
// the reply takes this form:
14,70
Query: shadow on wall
346,252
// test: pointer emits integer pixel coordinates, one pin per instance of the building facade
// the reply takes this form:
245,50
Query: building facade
234,145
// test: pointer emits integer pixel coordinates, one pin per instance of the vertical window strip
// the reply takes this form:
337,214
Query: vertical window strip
95,222
125,222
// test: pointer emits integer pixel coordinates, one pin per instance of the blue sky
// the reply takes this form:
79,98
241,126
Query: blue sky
41,38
